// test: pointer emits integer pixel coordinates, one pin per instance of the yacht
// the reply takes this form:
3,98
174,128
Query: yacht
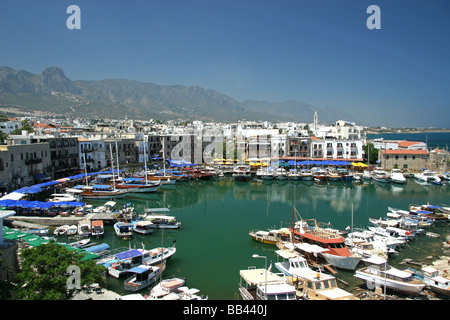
380,176
397,176
428,176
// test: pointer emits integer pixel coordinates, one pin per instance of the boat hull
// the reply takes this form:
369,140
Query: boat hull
342,262
379,281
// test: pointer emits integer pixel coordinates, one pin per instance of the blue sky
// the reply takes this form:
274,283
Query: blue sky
316,51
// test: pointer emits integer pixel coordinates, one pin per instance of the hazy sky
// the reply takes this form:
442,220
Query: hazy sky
316,51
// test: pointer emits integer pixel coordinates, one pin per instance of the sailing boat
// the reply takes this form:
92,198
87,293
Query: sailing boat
139,185
102,191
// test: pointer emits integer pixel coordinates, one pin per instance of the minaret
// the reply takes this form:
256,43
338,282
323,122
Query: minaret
316,122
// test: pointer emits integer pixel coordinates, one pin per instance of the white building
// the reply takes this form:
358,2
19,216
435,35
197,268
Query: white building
327,149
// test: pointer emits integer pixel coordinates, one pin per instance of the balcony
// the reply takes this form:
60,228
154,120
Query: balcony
33,161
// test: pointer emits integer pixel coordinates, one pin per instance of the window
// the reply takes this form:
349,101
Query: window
405,157
405,166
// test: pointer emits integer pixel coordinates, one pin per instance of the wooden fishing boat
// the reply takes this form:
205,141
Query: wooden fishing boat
337,253
142,277
269,237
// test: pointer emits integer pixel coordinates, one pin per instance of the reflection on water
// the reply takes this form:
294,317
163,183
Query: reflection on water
213,244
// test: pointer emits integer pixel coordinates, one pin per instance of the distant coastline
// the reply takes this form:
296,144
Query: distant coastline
405,130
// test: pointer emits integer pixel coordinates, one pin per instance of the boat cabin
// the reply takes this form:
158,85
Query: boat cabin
321,286
260,284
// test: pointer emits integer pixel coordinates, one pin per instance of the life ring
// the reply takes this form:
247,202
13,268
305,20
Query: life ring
408,233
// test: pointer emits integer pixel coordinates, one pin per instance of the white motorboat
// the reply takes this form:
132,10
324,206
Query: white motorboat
143,276
142,226
396,176
386,244
84,229
430,276
165,287
61,230
68,230
367,175
391,235
80,243
163,221
121,262
123,229
384,275
186,293
293,264
380,176
428,176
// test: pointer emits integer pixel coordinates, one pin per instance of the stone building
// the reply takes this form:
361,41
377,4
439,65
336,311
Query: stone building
405,159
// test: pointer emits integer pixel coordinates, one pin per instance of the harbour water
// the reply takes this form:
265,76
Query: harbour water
213,244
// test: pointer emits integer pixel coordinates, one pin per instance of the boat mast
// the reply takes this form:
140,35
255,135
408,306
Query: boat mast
352,225
112,166
145,162
85,170
117,157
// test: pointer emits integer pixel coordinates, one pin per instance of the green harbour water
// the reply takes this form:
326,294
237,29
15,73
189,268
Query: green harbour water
213,243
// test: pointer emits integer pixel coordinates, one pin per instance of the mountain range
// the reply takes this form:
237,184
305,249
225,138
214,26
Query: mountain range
53,93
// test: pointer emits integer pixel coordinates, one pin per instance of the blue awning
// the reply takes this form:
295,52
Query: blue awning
129,254
138,270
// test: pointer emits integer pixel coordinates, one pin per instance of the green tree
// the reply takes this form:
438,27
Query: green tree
370,150
44,273
26,125
3,137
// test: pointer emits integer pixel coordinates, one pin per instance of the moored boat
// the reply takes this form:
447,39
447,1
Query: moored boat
337,254
430,276
97,228
396,176
380,176
269,237
123,229
428,176
142,277
142,226
392,278
241,172
163,222
261,284
102,192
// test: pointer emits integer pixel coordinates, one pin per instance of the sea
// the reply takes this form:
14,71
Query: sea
433,139
213,244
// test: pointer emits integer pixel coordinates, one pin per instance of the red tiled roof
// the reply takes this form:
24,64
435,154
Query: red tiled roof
406,144
405,151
